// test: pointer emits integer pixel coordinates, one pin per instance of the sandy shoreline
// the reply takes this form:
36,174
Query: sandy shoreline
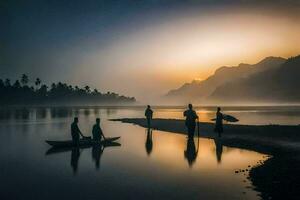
278,177
267,139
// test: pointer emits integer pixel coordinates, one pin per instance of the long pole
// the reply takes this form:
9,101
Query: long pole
198,130
198,127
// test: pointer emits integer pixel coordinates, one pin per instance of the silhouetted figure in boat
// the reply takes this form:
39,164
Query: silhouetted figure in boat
190,121
219,149
149,115
149,143
74,159
219,122
97,131
190,153
97,152
75,132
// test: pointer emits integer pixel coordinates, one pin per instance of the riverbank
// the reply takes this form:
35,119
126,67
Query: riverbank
278,177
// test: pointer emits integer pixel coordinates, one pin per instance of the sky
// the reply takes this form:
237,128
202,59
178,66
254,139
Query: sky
141,48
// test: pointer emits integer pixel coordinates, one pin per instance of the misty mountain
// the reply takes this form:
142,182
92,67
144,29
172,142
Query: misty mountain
279,84
200,90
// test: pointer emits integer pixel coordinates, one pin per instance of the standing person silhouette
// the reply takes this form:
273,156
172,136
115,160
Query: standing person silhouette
190,121
219,122
75,132
97,131
149,115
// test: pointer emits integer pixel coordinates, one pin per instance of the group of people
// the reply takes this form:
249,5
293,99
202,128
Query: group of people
190,120
190,115
96,132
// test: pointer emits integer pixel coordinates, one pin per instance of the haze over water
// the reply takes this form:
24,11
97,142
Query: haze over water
127,54
148,46
163,169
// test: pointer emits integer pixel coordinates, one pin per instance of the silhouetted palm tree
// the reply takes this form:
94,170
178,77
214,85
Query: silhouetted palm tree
87,89
95,91
7,82
24,79
53,86
22,93
17,84
43,91
37,82
70,87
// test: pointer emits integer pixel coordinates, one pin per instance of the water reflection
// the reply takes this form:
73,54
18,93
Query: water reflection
60,112
219,149
76,112
149,142
288,115
191,153
41,113
166,167
110,112
86,112
74,159
96,111
21,113
5,114
97,151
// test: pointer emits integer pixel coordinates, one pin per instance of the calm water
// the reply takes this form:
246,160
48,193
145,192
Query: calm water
147,165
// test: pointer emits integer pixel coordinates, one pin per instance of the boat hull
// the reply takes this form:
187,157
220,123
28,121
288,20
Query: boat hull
82,142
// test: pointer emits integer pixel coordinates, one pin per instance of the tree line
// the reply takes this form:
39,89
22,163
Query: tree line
21,93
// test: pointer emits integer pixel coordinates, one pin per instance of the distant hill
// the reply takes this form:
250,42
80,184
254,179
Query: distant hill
201,90
279,84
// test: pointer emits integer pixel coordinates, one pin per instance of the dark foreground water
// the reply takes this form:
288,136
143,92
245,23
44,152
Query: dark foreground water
147,165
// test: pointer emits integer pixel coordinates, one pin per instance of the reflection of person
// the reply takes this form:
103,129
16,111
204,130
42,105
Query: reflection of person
74,159
149,115
219,149
97,151
149,143
75,131
219,122
190,121
190,153
97,131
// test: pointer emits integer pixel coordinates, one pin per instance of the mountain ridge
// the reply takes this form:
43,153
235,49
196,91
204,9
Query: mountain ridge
274,85
199,90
